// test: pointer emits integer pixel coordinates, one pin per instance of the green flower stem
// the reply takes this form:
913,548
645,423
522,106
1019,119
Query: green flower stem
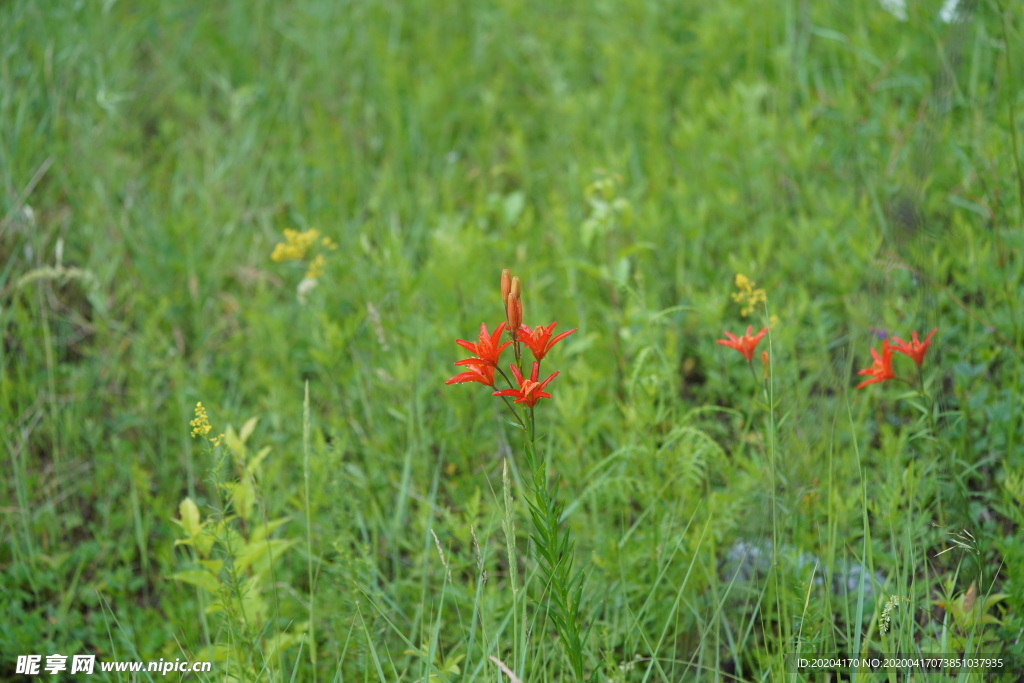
511,408
555,552
753,372
563,588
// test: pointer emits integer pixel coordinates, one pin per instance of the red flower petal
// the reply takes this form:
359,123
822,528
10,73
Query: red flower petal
745,344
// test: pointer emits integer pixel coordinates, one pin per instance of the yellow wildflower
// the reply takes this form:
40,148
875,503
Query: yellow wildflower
295,246
201,424
316,267
747,296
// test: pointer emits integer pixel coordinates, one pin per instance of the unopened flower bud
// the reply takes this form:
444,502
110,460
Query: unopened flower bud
506,285
764,364
514,310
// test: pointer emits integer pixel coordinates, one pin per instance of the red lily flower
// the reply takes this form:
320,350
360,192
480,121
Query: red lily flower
487,350
539,338
476,372
745,344
916,348
530,390
881,369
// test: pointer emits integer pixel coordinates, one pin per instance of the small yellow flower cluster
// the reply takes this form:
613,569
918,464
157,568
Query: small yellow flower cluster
201,425
316,267
297,244
748,296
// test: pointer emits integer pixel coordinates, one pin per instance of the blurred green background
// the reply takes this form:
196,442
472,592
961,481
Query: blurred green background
626,160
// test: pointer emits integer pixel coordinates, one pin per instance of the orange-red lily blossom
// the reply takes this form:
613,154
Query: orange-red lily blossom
745,344
530,390
539,338
476,372
916,348
881,369
487,350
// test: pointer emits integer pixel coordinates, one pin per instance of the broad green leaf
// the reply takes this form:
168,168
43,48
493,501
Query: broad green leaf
198,577
247,429
242,497
189,512
264,530
252,467
204,543
212,566
234,444
215,653
255,551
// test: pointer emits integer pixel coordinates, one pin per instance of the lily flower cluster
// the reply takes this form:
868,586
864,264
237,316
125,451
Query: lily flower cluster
485,361
881,369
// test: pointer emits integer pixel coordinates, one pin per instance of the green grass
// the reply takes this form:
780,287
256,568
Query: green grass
861,169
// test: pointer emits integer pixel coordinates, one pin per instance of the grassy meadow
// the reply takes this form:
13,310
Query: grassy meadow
350,517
